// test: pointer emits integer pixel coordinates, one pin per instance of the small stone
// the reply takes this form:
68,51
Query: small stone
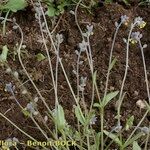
16,75
24,92
112,88
140,104
136,93
8,70
36,99
45,118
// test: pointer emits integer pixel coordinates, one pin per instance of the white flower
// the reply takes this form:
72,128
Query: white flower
31,109
93,120
59,38
124,18
9,87
83,46
135,37
89,30
83,83
146,130
139,22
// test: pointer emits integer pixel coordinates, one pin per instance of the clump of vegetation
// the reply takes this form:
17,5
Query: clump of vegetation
56,8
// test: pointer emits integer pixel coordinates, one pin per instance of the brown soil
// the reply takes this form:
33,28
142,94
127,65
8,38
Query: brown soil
103,19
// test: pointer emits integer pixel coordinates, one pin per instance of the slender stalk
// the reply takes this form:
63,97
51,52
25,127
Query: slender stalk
147,88
76,19
77,74
126,70
90,55
147,140
102,127
49,60
145,70
39,127
19,56
60,60
106,84
56,73
4,22
136,128
30,137
110,58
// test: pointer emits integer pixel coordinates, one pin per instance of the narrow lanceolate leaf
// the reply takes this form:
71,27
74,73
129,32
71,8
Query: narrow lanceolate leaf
129,123
113,137
14,5
109,97
59,117
134,138
112,63
97,105
136,146
79,115
40,57
3,56
97,140
94,77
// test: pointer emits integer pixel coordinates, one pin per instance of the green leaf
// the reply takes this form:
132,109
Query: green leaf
108,1
134,138
126,2
3,56
26,113
60,8
89,117
94,77
97,105
98,140
51,12
40,57
112,63
147,105
129,123
113,137
15,5
136,146
79,115
59,117
109,97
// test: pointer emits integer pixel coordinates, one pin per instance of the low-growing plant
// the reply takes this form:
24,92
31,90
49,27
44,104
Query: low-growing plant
144,2
55,8
124,1
11,5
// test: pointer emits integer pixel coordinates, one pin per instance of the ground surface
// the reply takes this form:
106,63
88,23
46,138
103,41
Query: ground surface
103,19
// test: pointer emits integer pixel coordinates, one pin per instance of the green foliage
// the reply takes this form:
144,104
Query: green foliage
112,63
26,113
14,5
3,56
107,99
108,1
55,9
133,139
40,57
59,117
136,146
114,137
144,2
79,115
126,2
129,123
